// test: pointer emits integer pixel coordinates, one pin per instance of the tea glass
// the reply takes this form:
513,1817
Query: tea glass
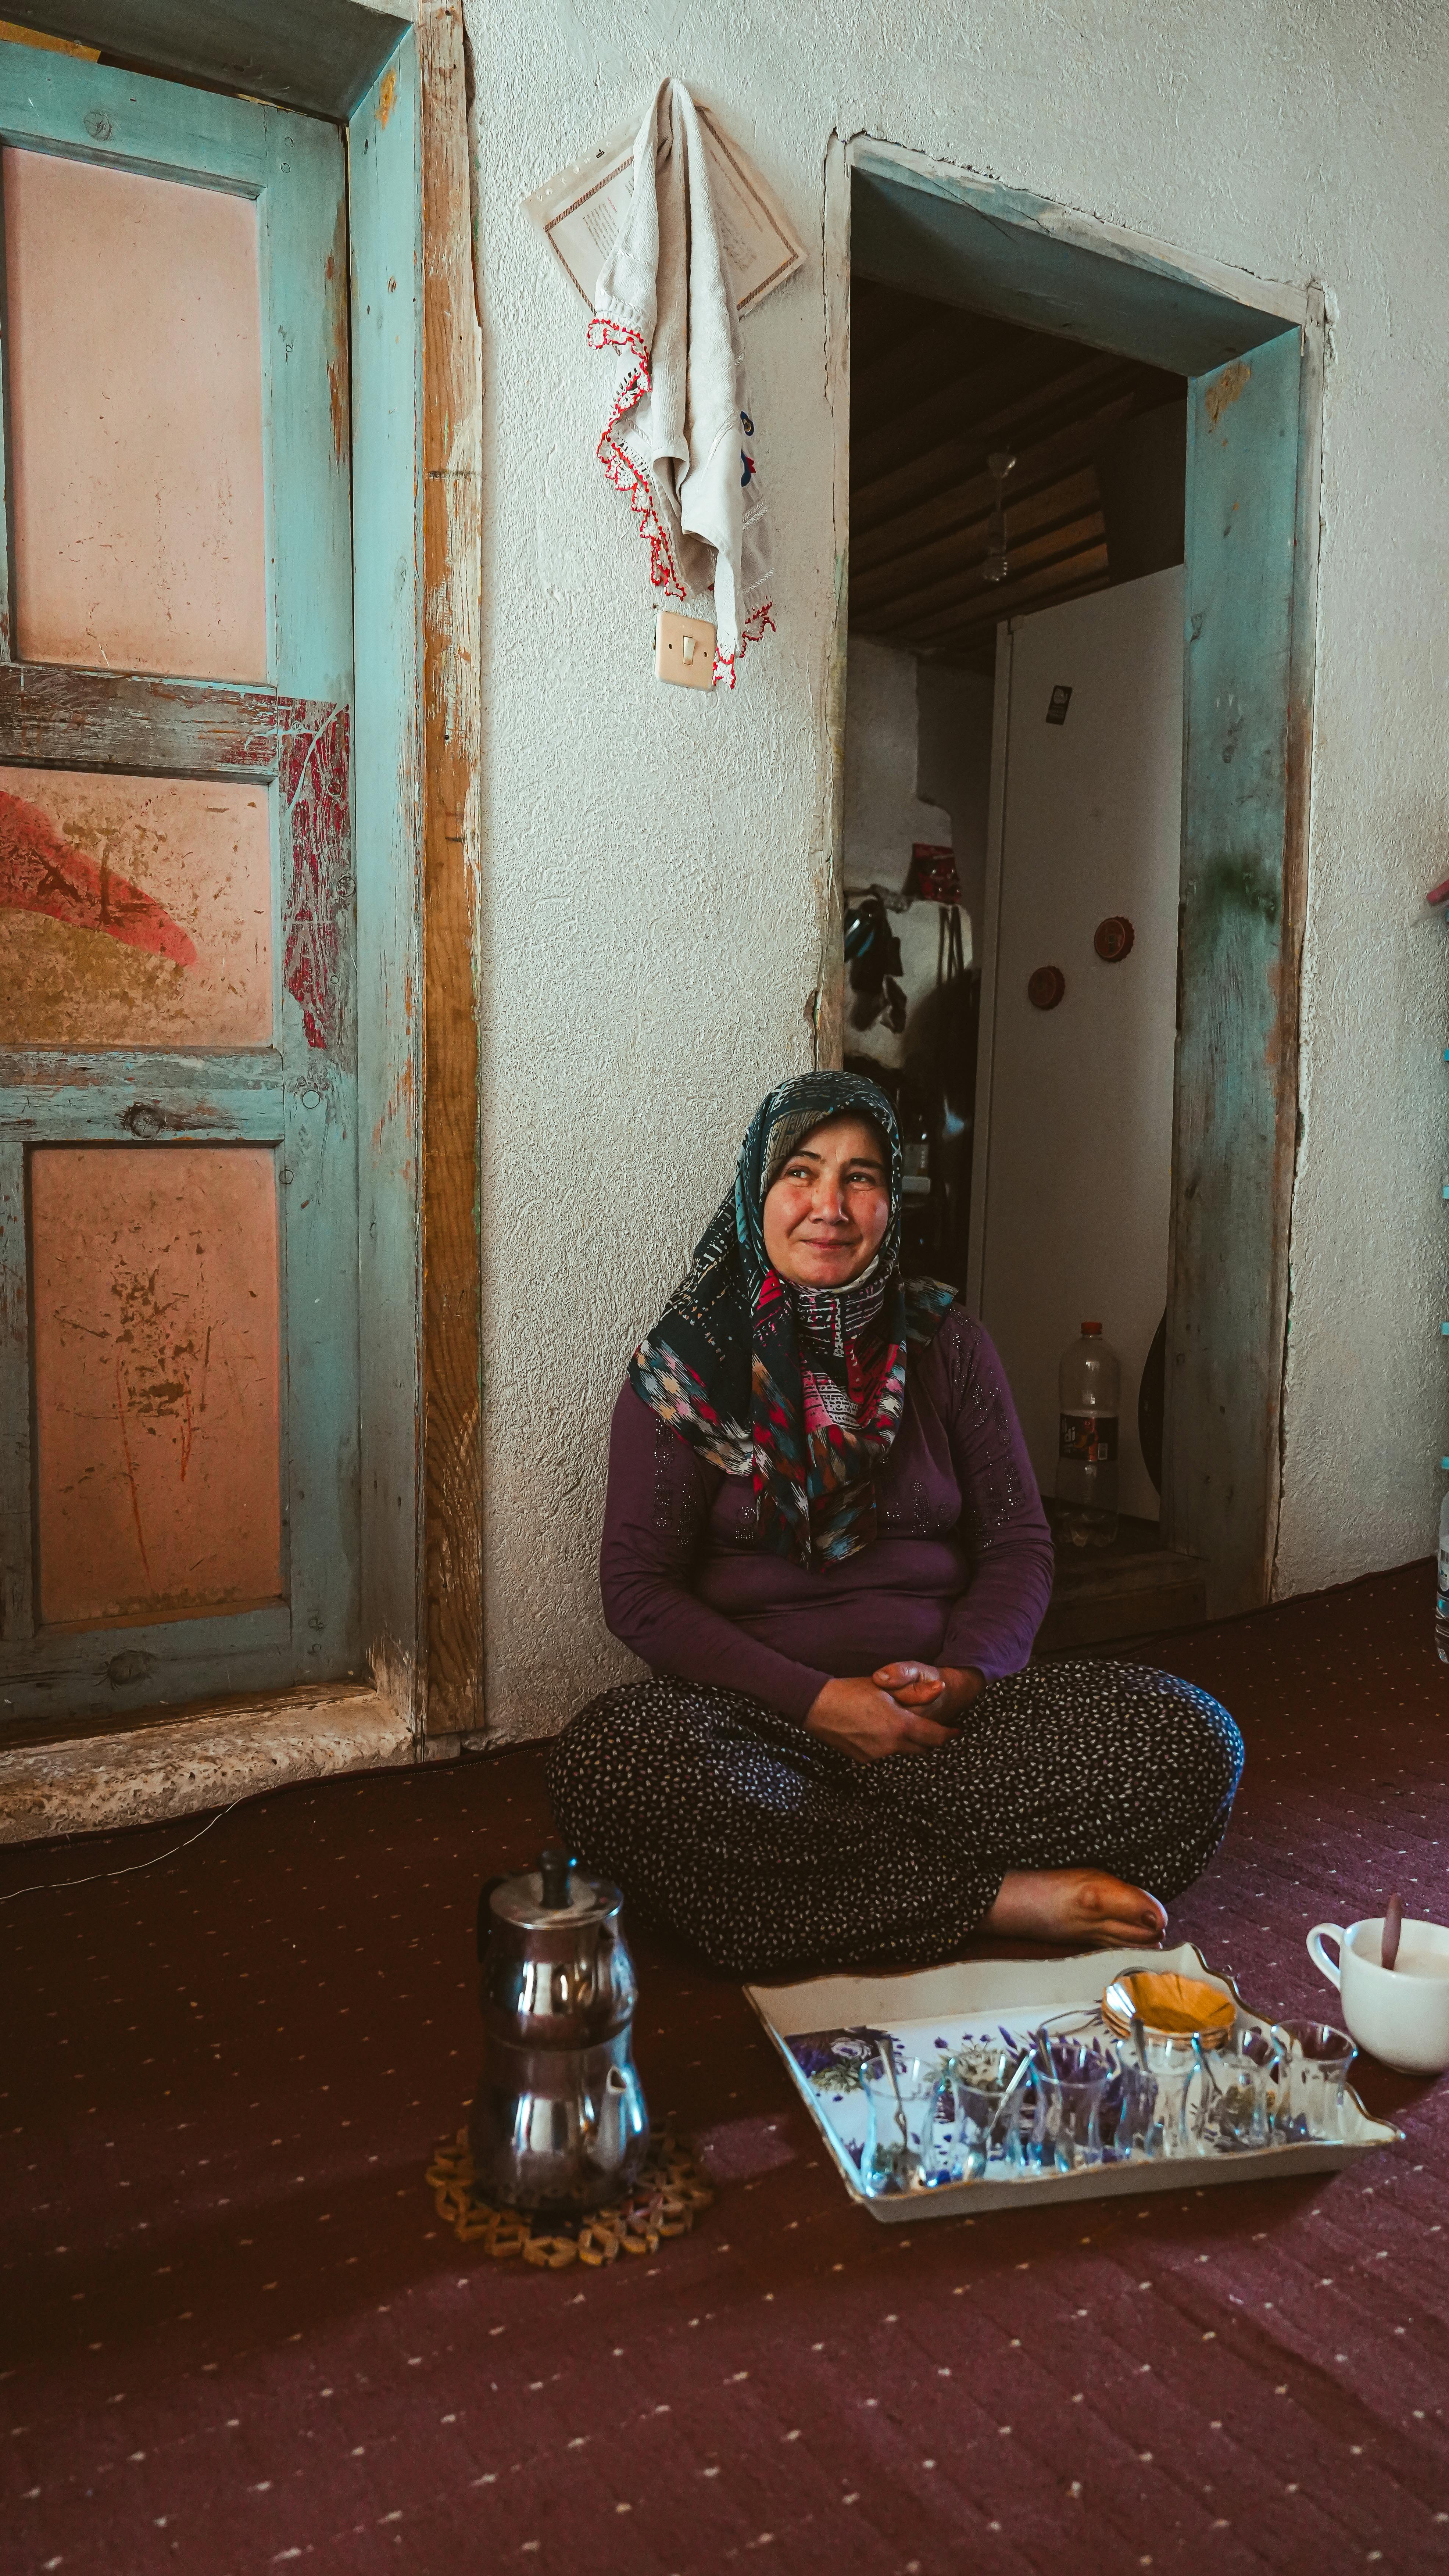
906,2146
1170,2066
1128,2110
984,2103
1315,2076
1238,2103
1070,2078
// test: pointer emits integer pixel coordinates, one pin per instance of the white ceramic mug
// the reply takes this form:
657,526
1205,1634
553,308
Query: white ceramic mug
1401,2013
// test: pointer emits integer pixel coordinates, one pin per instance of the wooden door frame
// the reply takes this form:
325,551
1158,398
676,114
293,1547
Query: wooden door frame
417,455
395,80
1031,261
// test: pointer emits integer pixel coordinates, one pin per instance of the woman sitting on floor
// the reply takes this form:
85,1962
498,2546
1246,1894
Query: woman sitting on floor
824,1537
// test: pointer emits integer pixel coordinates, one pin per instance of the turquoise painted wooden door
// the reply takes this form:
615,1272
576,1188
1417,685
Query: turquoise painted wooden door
178,1153
1234,1121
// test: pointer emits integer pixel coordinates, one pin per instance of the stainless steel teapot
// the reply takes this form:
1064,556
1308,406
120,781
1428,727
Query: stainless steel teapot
559,2118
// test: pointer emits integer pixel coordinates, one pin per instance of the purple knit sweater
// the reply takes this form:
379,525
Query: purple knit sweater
960,1572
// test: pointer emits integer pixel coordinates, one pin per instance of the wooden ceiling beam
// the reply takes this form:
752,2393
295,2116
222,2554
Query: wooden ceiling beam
934,390
929,522
975,648
1052,546
1046,503
931,370
1029,375
880,318
925,361
890,333
1040,588
1063,554
1019,420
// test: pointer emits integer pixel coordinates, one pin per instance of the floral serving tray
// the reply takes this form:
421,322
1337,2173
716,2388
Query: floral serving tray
937,2008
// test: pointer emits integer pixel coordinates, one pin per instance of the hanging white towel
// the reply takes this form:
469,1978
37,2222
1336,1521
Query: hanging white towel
679,439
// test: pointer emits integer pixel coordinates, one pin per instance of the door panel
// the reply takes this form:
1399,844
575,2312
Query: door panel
1079,1138
1235,1115
135,911
179,1493
135,420
156,1334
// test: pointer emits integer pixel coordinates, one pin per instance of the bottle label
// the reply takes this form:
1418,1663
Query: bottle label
1090,1438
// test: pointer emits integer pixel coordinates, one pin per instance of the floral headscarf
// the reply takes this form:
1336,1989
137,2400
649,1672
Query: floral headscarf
801,1389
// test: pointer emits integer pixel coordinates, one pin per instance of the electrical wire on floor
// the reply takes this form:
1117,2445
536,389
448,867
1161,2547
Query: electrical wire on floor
39,1886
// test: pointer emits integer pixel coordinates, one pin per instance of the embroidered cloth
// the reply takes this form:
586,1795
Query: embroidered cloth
679,438
801,1389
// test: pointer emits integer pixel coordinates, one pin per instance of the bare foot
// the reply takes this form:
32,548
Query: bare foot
1086,1906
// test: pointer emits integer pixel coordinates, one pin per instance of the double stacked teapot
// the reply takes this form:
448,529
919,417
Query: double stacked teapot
559,2118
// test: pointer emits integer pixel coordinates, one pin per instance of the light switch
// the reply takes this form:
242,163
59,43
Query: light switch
684,650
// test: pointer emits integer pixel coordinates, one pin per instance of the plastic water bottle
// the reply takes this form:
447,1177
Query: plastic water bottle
1441,1605
1089,1386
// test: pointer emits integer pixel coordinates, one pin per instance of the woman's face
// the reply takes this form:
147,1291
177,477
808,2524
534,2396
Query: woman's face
827,1212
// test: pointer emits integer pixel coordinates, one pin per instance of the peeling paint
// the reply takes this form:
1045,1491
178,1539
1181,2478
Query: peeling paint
318,911
401,1100
135,911
1225,389
156,1339
135,437
309,742
183,1766
339,381
1231,889
386,97
42,872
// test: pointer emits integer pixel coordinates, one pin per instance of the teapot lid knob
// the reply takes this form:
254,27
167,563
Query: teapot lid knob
554,1868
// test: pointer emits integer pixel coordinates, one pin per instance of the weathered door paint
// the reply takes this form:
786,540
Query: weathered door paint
385,158
155,1353
179,1427
136,910
137,481
1234,1111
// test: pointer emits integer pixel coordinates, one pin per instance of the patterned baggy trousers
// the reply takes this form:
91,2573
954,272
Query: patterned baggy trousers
769,1851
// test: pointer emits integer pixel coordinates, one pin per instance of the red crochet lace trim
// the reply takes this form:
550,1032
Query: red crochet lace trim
627,478
621,470
750,633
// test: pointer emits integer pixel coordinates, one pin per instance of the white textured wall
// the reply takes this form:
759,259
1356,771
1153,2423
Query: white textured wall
884,816
654,858
953,765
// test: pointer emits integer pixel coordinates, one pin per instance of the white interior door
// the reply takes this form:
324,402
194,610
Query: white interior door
1071,1216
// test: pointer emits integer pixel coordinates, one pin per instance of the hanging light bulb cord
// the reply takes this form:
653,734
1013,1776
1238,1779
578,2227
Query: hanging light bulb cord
997,562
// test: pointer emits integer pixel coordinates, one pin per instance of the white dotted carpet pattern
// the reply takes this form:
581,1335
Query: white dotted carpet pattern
238,2337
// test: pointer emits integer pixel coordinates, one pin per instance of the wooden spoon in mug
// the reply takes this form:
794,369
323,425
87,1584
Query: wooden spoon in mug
1393,1926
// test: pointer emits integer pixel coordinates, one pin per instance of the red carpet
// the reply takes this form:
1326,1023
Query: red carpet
239,2340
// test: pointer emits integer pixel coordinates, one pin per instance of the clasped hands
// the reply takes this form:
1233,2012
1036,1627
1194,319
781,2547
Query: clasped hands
902,1708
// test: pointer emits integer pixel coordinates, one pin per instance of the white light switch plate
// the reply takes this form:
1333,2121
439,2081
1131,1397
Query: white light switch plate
684,650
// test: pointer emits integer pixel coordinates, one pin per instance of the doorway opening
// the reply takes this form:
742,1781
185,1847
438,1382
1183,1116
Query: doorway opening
1082,498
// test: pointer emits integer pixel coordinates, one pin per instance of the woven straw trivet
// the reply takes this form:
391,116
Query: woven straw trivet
662,2202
